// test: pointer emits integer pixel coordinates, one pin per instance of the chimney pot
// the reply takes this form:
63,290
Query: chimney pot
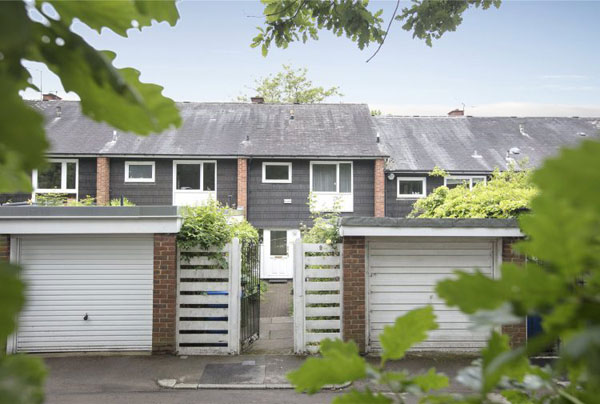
50,97
457,112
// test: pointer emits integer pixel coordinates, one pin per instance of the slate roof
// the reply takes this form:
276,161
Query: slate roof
421,143
223,129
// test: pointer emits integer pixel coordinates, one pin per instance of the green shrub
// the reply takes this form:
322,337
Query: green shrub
87,201
505,195
117,202
51,199
325,228
209,226
244,231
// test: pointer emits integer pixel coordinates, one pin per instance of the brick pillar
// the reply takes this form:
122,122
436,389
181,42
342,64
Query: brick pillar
4,247
354,326
242,184
379,193
516,332
165,294
102,180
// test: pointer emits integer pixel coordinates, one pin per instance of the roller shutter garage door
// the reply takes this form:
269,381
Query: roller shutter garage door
109,278
403,273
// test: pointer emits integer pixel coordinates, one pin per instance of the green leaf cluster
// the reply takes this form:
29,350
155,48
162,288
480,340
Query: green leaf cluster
325,224
340,363
560,281
21,377
287,21
506,194
210,225
291,86
108,94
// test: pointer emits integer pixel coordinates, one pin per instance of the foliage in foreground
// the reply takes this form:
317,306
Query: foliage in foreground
209,225
108,94
287,21
291,86
326,224
506,194
21,377
562,285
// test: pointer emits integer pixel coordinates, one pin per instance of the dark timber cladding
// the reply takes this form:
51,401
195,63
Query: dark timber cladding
160,192
401,207
266,207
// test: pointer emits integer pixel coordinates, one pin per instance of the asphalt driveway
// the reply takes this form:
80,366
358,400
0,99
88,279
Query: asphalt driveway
133,379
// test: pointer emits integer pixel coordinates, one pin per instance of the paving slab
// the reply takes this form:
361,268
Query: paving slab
232,373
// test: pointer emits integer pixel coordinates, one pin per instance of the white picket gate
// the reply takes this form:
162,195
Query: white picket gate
208,301
317,295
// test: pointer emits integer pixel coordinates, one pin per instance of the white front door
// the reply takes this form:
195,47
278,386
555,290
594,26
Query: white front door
277,261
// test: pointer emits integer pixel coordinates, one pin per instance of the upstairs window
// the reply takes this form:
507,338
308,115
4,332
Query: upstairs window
196,176
331,177
59,176
139,171
411,187
454,181
277,173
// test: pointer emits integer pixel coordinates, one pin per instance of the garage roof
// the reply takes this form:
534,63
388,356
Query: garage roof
389,226
89,220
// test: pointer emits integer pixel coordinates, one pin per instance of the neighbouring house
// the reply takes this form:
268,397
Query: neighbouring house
468,148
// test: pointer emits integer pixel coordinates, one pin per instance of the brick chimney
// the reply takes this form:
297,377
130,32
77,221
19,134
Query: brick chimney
379,191
51,97
102,180
257,100
242,188
457,112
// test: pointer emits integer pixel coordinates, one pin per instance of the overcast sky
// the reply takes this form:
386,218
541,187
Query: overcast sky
528,58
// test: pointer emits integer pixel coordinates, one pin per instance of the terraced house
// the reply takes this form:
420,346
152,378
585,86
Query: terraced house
265,160
108,279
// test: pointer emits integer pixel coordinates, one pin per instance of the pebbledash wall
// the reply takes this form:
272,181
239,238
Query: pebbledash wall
354,291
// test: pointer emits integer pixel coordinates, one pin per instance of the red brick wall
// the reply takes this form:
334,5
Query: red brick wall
165,294
4,247
516,332
102,180
354,319
242,184
379,182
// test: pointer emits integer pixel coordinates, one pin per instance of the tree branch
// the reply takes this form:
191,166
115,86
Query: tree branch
386,32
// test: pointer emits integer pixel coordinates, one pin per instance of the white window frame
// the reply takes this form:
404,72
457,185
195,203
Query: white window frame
411,196
465,177
139,163
337,177
198,162
264,173
63,180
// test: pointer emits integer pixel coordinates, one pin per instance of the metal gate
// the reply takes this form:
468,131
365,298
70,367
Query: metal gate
250,294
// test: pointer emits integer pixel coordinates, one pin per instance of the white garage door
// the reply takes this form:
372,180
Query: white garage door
403,273
86,293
